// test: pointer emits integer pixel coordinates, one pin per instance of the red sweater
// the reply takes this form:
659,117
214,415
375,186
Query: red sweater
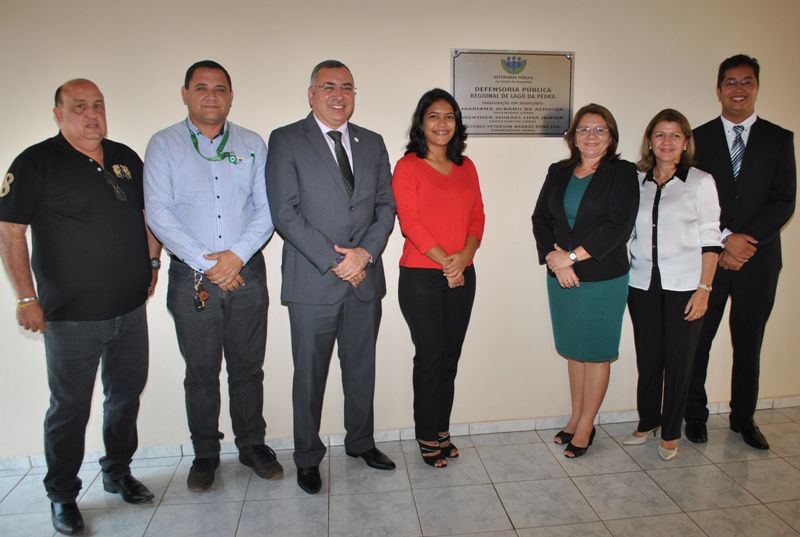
434,208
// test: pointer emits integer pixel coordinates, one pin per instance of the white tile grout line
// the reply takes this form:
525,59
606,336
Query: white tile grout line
24,462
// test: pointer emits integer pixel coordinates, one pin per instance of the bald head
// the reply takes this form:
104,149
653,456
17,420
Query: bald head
68,83
80,112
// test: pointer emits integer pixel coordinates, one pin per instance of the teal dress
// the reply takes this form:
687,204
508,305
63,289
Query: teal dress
587,320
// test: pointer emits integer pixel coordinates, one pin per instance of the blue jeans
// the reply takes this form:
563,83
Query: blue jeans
74,349
234,323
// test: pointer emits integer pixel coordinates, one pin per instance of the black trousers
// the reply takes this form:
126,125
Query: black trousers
233,323
752,295
74,349
437,317
665,348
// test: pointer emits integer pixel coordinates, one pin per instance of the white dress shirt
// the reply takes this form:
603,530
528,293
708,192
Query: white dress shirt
675,225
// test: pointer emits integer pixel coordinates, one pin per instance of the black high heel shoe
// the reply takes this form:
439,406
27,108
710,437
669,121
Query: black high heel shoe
564,437
578,451
432,455
449,448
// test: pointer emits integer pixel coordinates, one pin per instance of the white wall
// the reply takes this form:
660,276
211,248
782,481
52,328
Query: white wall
634,56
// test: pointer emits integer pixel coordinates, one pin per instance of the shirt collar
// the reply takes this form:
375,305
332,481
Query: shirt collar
681,173
747,123
325,129
192,127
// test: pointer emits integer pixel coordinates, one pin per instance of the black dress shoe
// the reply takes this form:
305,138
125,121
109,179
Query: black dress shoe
696,431
131,489
375,458
309,479
66,517
262,460
751,435
201,474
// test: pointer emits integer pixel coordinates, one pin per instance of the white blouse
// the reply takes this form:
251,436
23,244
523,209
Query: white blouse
675,225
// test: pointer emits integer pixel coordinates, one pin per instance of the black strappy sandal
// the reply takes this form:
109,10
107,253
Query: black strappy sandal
578,451
564,437
449,448
432,454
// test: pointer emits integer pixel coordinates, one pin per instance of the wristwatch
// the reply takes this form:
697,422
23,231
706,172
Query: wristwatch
155,263
704,287
573,256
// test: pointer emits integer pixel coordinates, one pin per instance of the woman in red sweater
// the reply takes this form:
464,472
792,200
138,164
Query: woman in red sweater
441,216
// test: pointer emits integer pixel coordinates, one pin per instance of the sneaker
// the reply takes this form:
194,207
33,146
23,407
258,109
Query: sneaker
262,460
201,474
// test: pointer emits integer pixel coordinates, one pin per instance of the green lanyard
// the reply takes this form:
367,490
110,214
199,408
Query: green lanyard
230,156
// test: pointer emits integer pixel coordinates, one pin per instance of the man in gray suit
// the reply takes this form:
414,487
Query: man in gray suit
329,189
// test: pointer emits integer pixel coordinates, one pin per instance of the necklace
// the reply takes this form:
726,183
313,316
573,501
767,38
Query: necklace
230,156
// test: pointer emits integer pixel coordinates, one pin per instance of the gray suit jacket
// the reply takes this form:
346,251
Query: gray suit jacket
312,212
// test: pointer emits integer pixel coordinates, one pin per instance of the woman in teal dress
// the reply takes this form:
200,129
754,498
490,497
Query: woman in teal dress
582,222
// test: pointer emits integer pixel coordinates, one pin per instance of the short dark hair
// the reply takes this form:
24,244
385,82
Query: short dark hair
740,60
205,64
326,64
416,136
647,159
613,132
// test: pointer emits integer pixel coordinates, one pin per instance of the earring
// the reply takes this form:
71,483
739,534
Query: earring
684,148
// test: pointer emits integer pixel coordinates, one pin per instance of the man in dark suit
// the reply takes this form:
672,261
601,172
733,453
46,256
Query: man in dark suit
329,188
752,161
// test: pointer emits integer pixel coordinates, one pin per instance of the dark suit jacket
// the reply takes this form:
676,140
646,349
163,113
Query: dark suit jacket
312,212
762,199
604,222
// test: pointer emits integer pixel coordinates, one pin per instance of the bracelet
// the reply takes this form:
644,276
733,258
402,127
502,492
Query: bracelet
27,301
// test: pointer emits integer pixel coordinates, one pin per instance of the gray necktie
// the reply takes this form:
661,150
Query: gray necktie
737,150
343,162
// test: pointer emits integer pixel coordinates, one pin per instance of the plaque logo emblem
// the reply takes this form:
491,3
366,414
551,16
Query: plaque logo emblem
513,65
122,171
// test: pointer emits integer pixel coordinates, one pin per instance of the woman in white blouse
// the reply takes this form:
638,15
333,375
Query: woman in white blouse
676,244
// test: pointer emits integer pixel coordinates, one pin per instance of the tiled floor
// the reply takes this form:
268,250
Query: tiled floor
503,485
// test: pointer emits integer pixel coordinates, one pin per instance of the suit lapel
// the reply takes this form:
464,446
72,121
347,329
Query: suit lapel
752,150
316,138
358,157
721,152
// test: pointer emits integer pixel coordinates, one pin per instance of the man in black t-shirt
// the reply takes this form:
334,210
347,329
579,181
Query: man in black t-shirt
95,264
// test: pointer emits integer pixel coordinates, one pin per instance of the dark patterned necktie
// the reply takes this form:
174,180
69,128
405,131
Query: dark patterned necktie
343,162
737,150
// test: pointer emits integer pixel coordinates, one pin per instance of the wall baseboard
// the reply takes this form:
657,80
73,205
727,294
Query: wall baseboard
23,463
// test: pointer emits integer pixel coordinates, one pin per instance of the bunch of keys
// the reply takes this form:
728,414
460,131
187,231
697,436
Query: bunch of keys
200,293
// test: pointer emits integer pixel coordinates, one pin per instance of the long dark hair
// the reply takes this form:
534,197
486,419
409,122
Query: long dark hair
613,132
416,136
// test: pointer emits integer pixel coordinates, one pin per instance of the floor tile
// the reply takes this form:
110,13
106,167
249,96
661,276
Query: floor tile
701,487
718,421
622,429
544,502
725,446
794,461
454,510
592,529
7,483
195,520
507,533
29,496
12,472
288,517
129,522
605,456
27,525
678,525
783,438
522,462
625,495
789,512
547,434
648,458
750,521
766,417
385,513
156,461
793,413
467,469
155,478
351,476
267,489
230,484
506,439
772,480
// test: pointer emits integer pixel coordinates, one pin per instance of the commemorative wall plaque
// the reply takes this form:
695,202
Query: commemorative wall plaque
513,93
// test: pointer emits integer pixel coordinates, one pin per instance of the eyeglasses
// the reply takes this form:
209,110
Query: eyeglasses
112,181
330,87
746,83
597,131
